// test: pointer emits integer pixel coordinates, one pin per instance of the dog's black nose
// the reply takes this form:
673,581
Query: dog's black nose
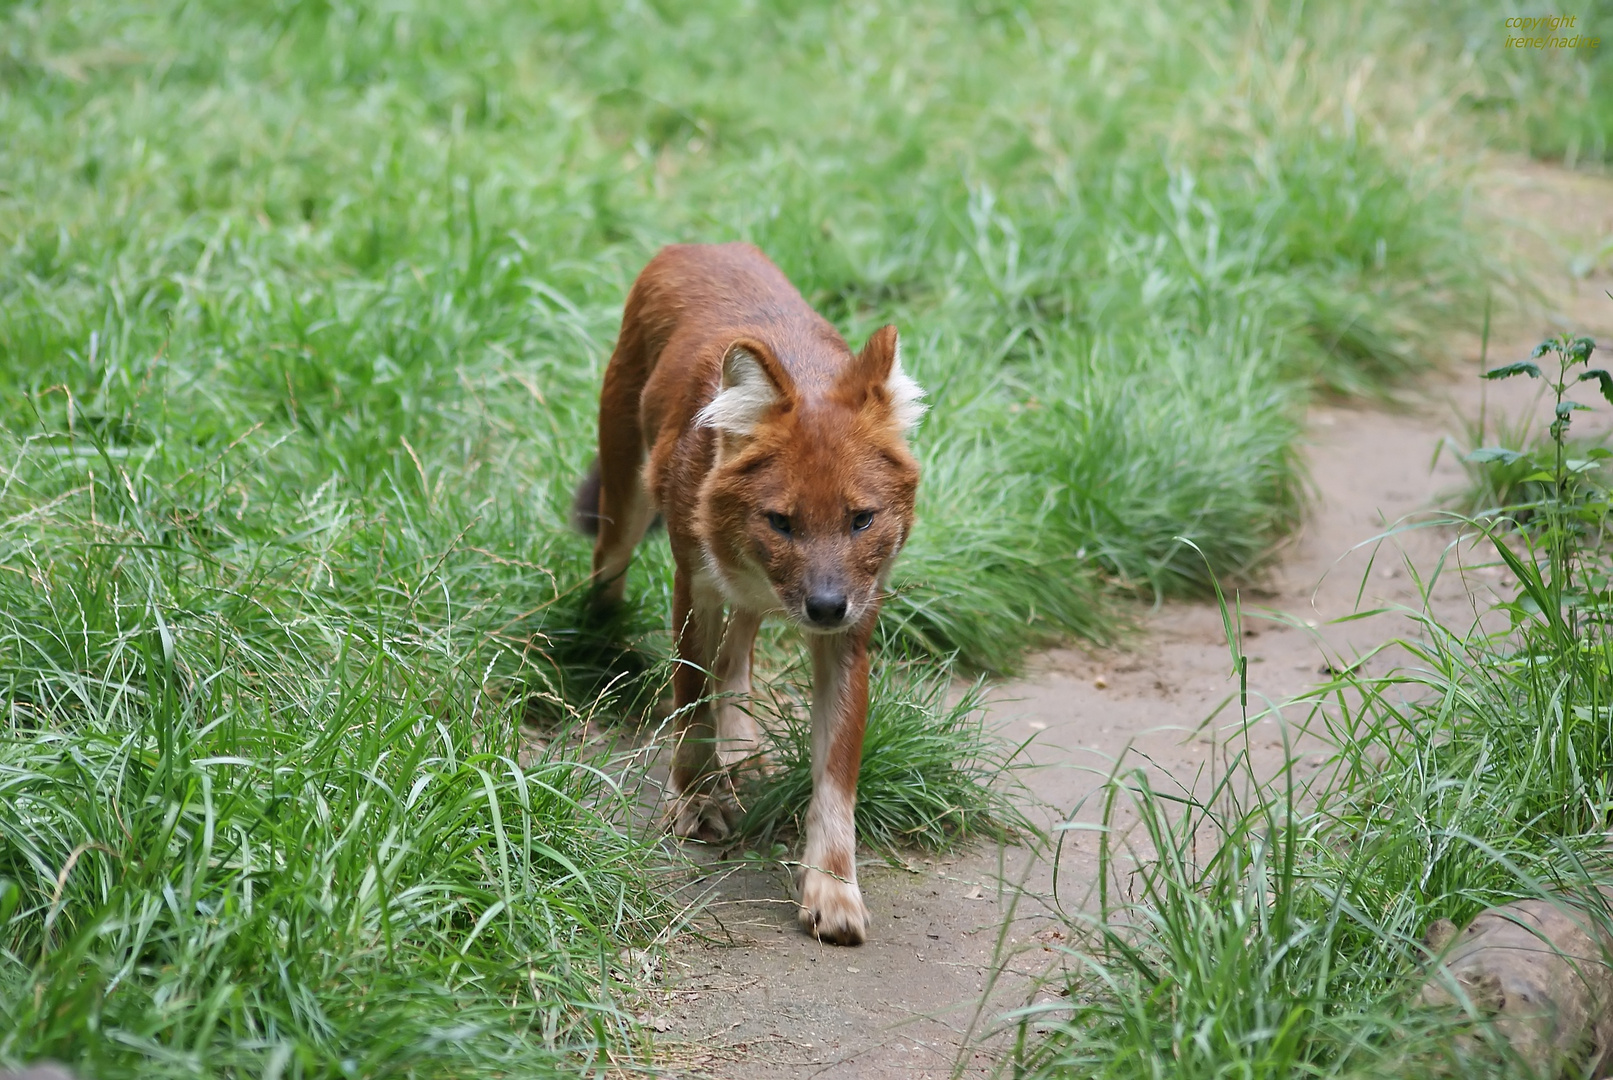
826,608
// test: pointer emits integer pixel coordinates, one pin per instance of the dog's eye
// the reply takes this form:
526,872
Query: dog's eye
862,520
780,523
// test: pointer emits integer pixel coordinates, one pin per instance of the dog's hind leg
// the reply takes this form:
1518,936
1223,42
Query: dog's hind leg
624,510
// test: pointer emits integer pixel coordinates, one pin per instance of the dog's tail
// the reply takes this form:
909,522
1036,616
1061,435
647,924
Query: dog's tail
585,503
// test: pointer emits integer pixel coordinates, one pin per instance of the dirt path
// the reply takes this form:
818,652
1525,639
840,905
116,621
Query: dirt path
764,1001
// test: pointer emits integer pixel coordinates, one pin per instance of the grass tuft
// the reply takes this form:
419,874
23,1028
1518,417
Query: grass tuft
933,773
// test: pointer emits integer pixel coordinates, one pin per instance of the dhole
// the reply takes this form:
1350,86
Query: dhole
777,459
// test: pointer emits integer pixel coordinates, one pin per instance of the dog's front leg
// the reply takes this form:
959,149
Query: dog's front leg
703,805
739,740
831,904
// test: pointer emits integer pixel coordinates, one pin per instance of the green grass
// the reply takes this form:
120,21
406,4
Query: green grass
303,308
373,227
247,827
1272,926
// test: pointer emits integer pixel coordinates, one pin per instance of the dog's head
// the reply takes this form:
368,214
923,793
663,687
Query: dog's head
813,489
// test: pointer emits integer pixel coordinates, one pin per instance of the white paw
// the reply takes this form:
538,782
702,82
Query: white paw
832,910
702,816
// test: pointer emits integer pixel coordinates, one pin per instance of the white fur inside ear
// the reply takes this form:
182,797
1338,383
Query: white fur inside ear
745,395
905,394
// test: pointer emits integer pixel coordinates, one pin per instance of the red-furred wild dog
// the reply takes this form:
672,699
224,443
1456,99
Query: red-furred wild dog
778,459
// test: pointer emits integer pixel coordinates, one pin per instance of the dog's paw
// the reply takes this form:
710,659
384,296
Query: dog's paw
832,910
702,816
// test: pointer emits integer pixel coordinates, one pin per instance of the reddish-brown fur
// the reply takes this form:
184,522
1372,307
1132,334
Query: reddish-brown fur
795,502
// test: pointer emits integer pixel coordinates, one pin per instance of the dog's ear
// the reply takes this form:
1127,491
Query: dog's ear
876,378
753,381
